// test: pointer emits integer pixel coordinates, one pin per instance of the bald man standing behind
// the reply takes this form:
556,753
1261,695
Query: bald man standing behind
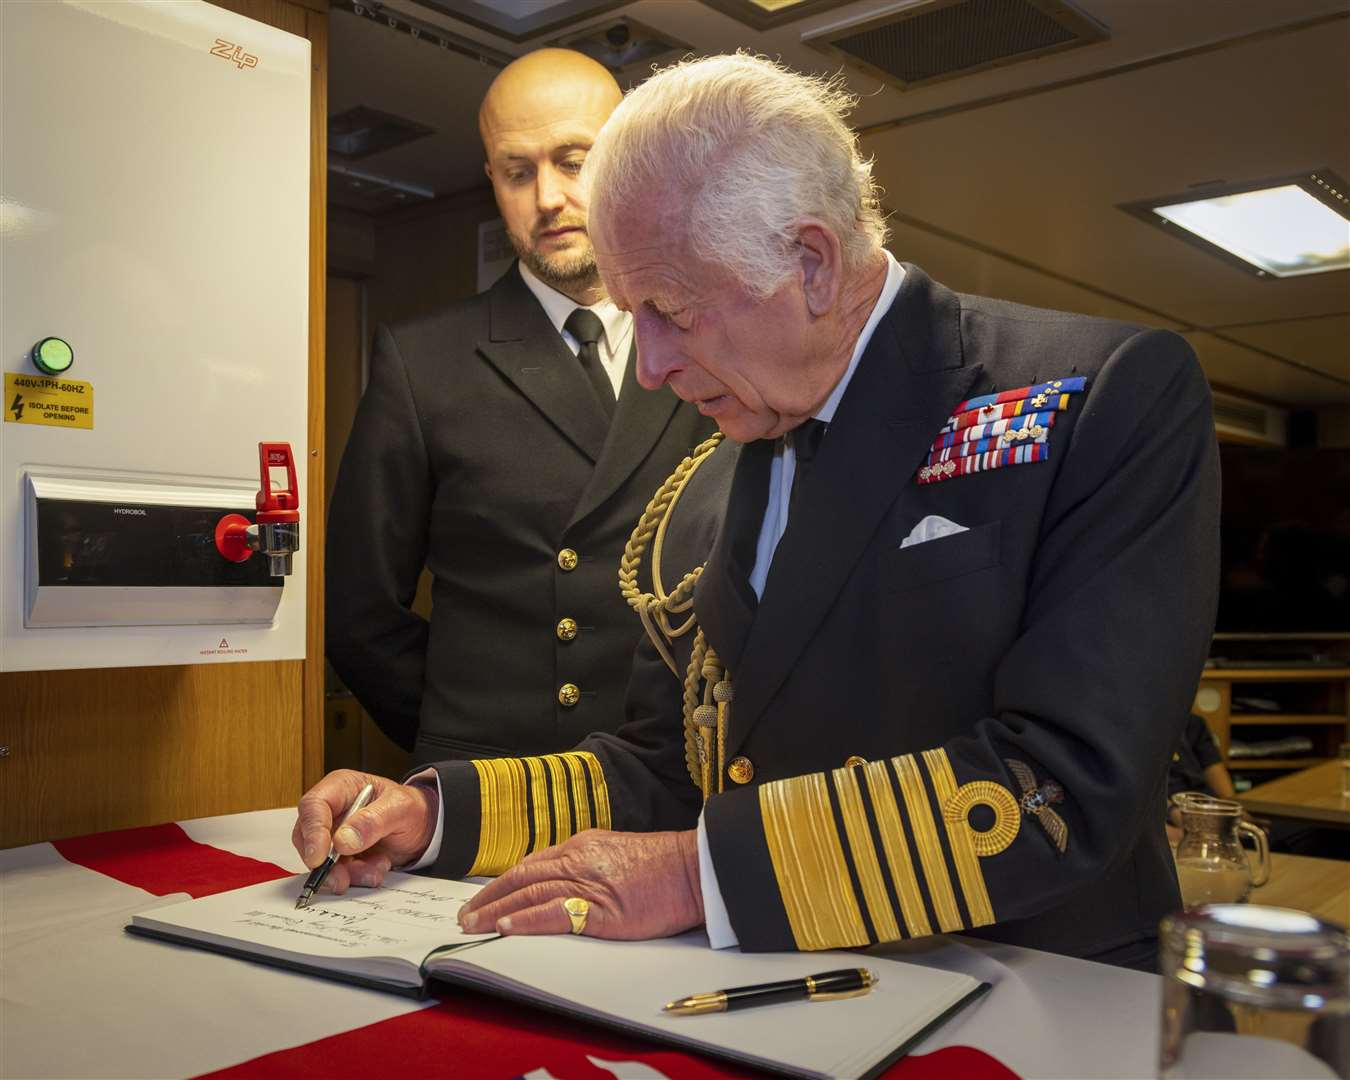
504,443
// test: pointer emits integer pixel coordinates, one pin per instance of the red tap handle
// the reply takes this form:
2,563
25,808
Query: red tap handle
279,506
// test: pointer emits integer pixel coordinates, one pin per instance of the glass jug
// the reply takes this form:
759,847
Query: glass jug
1212,866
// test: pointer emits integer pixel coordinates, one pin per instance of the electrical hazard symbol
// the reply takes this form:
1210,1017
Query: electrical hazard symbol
53,402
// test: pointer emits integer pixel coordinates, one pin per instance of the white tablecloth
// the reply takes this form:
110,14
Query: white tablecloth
81,998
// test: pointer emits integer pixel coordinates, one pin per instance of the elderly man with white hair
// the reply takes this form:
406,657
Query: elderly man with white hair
925,620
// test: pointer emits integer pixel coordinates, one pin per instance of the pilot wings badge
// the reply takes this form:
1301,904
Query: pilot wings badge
1036,800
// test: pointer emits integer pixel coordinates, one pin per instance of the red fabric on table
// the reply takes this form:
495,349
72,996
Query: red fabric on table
163,859
471,1037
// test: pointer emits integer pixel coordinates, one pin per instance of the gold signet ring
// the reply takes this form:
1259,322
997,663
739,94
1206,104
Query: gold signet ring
577,909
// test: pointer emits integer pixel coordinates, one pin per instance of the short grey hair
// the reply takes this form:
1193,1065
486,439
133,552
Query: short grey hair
750,145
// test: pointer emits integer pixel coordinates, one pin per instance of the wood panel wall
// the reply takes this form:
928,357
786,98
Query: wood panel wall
118,747
426,256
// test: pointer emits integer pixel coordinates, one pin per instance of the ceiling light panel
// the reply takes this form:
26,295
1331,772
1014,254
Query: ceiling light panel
520,20
767,14
1282,228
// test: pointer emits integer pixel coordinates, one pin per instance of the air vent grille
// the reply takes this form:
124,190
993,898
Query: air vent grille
1240,416
1250,421
918,45
362,131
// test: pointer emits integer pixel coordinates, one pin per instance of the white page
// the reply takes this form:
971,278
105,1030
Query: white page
631,981
388,932
403,920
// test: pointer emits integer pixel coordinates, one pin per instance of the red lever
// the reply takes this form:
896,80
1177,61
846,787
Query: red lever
275,507
283,505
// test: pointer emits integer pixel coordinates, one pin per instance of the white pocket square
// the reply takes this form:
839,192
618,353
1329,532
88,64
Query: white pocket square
931,528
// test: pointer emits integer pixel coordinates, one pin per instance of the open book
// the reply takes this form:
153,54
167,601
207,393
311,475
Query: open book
405,934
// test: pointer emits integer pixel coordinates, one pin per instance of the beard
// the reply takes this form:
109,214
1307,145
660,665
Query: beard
563,270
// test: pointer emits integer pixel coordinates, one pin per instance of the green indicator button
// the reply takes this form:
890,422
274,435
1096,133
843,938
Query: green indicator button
52,356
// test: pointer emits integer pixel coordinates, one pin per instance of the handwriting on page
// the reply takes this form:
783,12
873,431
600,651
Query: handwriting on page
390,916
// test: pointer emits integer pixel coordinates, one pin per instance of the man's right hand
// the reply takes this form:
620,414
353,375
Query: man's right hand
393,829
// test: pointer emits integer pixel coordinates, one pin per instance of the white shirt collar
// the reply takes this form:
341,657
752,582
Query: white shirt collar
558,307
895,274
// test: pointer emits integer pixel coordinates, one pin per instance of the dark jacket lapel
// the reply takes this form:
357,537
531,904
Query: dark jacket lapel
722,597
640,418
902,392
524,346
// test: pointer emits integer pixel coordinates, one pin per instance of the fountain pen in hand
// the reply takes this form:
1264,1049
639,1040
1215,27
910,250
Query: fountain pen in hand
320,873
848,982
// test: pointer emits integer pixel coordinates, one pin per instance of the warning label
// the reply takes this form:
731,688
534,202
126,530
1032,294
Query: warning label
223,649
56,402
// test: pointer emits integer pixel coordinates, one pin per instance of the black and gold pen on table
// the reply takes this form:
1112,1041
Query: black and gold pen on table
320,873
829,985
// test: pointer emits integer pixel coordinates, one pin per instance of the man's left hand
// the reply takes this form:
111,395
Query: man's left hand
639,886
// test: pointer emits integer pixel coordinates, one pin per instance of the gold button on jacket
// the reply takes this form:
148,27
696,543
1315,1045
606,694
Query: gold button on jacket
567,559
741,770
568,694
567,629
853,761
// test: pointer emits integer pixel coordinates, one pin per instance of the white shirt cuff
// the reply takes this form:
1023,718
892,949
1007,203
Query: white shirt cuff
715,917
434,848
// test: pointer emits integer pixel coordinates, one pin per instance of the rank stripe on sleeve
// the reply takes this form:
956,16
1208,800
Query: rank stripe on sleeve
890,824
577,772
808,862
925,831
562,811
599,791
503,838
537,790
850,860
865,859
527,804
827,834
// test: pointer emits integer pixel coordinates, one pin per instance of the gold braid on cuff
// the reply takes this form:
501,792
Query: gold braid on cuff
577,910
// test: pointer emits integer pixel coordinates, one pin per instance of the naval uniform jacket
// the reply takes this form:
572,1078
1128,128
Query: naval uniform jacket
966,734
479,449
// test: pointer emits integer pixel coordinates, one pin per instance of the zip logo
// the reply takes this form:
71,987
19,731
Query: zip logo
228,50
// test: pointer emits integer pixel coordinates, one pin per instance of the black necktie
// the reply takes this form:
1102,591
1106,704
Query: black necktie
806,439
587,328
